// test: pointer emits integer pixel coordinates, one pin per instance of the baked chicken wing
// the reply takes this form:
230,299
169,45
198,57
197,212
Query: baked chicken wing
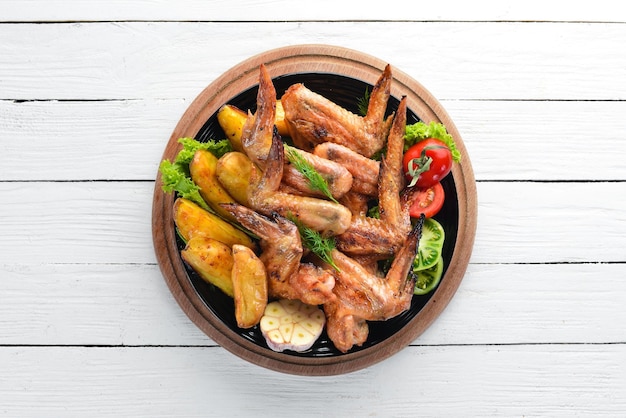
312,119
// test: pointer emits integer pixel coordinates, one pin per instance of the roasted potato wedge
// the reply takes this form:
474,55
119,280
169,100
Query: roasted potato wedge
231,120
212,260
233,172
203,172
192,221
250,286
279,121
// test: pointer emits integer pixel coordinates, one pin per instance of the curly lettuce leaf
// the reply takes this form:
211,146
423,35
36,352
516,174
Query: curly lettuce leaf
175,179
191,145
418,131
175,175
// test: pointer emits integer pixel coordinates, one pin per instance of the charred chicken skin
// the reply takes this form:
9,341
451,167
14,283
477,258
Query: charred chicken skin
339,144
265,196
338,178
263,145
312,119
364,170
256,135
281,253
383,236
363,296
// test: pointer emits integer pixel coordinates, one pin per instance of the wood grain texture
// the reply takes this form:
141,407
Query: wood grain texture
86,222
130,305
543,140
325,10
108,222
558,232
100,140
352,65
454,60
124,140
87,324
527,380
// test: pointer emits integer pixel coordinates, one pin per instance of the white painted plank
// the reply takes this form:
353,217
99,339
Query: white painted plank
552,380
102,140
130,305
76,223
91,304
536,304
77,265
124,140
550,222
501,60
109,222
259,10
543,140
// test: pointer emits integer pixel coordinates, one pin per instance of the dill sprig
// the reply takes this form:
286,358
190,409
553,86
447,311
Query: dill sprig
363,103
315,179
313,240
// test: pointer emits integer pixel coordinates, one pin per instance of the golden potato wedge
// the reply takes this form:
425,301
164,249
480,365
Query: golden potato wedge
279,120
192,221
203,172
231,120
212,260
249,285
233,173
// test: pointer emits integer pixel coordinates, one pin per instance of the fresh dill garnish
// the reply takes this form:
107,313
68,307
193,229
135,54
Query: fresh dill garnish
315,179
313,240
363,102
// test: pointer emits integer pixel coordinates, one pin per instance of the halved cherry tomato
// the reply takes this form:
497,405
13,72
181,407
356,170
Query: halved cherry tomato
427,162
427,201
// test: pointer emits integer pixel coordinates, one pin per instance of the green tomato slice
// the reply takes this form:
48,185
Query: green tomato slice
432,233
426,257
426,280
430,245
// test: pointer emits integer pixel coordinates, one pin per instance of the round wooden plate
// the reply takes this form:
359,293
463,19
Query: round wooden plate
341,75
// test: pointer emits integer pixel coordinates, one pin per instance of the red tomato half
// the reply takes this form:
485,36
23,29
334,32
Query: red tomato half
415,162
427,201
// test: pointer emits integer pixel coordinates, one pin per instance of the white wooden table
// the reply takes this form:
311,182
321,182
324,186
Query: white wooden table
91,91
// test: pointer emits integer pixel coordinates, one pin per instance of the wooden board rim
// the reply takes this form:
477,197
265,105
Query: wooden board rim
323,59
